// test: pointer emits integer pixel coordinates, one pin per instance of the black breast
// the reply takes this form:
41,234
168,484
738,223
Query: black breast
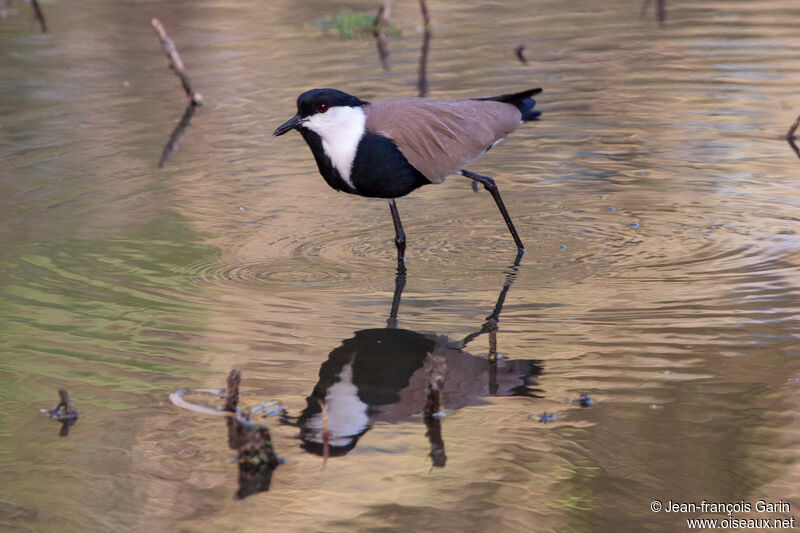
380,170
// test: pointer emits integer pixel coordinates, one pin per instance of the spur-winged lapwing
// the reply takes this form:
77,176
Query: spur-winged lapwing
388,148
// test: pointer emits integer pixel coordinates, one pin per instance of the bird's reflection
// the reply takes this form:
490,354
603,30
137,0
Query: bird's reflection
392,374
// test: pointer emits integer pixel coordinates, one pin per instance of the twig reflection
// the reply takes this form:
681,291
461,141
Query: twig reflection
791,138
174,141
37,10
661,10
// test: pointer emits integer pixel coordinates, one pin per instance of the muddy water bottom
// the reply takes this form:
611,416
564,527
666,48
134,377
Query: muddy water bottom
657,198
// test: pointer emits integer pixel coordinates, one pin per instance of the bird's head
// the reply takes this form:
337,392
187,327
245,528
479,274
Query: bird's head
324,111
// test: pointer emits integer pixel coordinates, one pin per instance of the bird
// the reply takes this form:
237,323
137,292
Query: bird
390,147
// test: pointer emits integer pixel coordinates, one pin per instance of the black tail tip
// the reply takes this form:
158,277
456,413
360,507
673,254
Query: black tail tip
526,108
531,115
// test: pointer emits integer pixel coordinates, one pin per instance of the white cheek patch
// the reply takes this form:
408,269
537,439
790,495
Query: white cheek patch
340,129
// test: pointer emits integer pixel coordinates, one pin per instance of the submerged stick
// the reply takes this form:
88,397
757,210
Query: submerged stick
232,390
252,441
255,455
175,62
37,10
520,52
63,410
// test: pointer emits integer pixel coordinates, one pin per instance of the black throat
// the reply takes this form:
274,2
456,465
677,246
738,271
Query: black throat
324,164
379,169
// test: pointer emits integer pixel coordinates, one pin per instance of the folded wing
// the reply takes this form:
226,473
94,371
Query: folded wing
440,137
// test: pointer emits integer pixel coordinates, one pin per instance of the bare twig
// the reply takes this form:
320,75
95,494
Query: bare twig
175,62
232,390
520,51
422,83
382,18
63,410
426,17
37,10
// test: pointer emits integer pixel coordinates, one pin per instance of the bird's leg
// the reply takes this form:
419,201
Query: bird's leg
399,285
399,234
489,185
494,317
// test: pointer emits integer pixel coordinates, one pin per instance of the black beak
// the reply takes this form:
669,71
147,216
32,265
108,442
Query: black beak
291,124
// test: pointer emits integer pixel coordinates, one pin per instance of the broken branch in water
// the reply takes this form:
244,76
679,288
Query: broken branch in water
382,19
63,410
255,455
520,52
232,390
252,441
422,82
426,17
37,10
175,62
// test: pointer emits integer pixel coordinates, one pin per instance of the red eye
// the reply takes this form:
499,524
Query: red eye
321,108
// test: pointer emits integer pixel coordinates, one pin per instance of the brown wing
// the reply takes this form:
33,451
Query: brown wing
440,137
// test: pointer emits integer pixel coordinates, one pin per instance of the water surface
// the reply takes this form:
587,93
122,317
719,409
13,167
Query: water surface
657,197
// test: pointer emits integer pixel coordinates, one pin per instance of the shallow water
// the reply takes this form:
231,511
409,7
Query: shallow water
657,197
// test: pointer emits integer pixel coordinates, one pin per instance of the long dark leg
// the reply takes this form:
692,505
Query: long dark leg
399,234
494,317
399,285
489,185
